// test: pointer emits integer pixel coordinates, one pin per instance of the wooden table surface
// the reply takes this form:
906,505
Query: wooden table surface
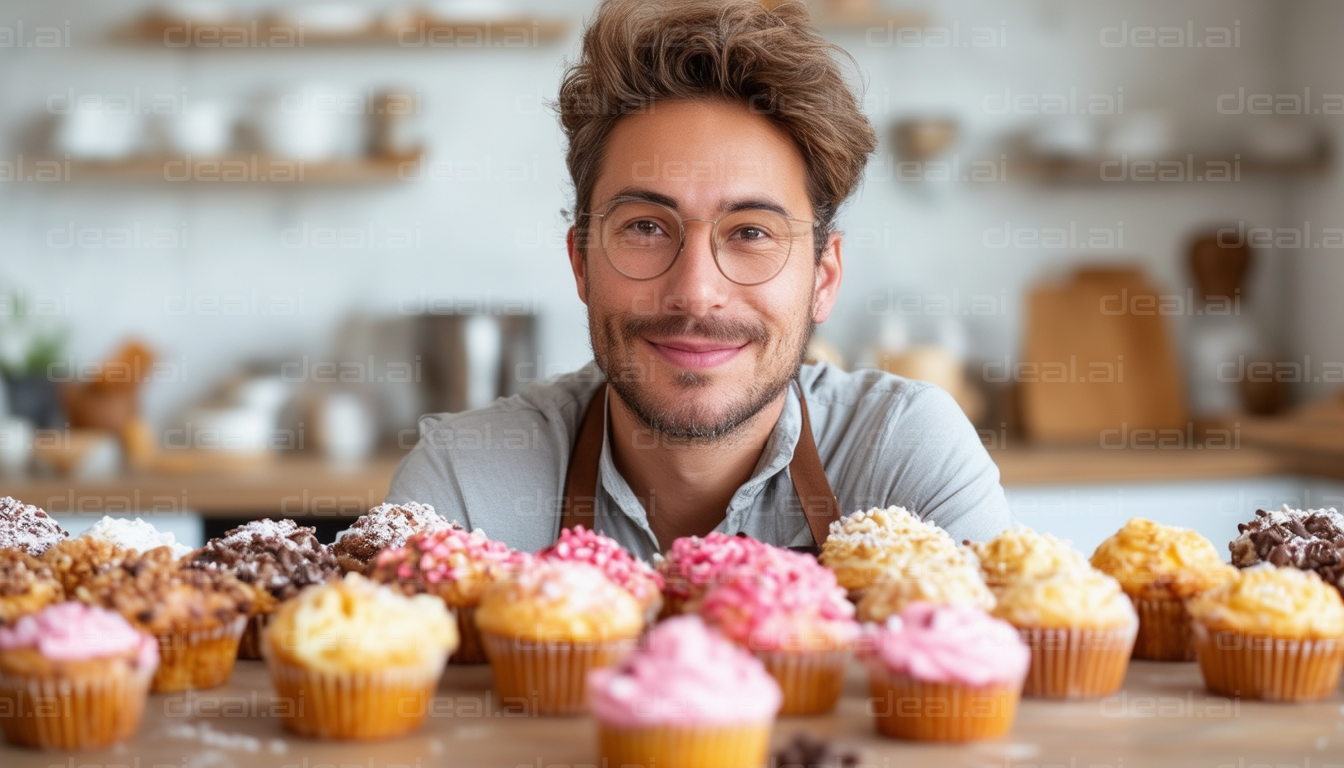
1163,717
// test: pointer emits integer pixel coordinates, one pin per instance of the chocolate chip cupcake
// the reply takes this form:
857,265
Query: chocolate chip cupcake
1309,540
197,615
25,527
275,556
386,525
27,585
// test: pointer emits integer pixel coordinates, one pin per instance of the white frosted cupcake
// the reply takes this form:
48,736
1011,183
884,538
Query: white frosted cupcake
135,534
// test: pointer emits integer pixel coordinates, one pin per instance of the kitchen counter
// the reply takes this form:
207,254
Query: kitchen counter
1163,717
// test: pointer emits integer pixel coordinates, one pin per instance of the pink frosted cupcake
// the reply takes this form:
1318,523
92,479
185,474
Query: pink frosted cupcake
686,698
455,566
694,564
580,545
74,677
788,610
945,673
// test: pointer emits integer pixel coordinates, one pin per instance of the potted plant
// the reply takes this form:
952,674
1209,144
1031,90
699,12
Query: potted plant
29,351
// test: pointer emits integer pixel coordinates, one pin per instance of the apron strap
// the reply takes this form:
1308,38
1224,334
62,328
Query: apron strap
805,471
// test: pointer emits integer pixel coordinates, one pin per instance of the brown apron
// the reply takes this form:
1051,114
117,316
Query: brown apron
805,469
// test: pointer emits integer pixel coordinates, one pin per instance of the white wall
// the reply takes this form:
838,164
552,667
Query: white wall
493,238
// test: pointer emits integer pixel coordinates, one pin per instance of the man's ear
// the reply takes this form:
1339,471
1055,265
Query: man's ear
577,264
829,271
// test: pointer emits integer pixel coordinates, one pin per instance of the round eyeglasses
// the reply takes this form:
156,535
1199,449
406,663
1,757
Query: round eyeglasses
642,240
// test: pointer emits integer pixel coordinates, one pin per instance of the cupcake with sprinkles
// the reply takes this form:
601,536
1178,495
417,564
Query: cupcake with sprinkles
695,563
580,545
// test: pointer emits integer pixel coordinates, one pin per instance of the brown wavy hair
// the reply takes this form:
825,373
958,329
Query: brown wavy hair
638,52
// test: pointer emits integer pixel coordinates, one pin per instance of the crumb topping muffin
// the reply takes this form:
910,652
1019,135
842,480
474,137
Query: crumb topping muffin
1081,598
134,534
1310,540
1161,562
27,585
860,547
277,556
25,527
939,583
1023,554
581,545
1280,602
385,526
78,561
559,601
157,595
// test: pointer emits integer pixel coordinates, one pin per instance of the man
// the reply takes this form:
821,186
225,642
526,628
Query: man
710,145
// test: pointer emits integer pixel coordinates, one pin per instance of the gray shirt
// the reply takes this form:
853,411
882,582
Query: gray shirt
883,440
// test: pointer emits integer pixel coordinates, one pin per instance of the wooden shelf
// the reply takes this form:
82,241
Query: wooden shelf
239,168
277,34
1182,168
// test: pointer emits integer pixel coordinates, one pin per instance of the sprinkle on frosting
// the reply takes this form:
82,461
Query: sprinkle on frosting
77,632
946,644
1161,562
278,556
581,545
860,547
559,601
449,562
695,563
1312,540
386,525
135,534
25,527
684,675
785,601
1280,602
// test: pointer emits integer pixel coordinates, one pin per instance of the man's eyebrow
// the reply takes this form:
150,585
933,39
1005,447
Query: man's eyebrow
731,206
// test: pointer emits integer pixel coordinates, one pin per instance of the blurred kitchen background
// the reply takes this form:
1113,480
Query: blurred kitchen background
244,244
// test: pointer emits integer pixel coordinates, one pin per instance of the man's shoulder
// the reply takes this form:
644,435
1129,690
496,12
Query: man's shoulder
827,385
558,400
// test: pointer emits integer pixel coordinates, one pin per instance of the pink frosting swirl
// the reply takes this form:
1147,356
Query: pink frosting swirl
781,600
77,632
694,563
579,544
684,674
945,644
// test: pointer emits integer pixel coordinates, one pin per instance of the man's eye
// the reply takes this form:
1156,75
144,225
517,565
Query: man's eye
751,234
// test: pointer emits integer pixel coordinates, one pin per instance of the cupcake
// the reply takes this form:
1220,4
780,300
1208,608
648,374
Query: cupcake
549,623
686,698
580,545
1080,627
1022,554
454,566
385,526
939,582
1309,540
1272,633
790,612
274,556
863,546
694,564
134,534
1160,567
945,673
27,585
73,677
197,616
78,562
25,527
362,659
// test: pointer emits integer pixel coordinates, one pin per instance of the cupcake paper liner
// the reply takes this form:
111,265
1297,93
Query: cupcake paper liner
905,708
705,746
64,713
812,681
197,660
548,678
1077,662
1164,631
469,649
1236,664
358,705
249,646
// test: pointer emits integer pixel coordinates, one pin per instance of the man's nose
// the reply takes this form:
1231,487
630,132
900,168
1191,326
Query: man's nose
695,284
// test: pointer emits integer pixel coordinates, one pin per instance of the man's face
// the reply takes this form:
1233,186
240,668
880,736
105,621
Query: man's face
693,354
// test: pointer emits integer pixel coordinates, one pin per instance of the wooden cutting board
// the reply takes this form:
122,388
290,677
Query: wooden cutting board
1099,366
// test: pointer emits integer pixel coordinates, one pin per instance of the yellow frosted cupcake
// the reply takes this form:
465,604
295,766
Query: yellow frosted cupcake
1021,554
547,625
1272,633
864,545
939,583
357,660
1160,567
1080,627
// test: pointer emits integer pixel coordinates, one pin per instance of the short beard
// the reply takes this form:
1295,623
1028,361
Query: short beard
691,426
